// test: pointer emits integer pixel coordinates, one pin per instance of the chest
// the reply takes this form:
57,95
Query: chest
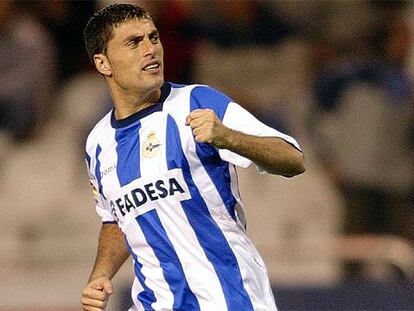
150,163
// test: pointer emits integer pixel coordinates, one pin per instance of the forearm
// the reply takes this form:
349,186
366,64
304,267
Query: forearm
112,252
273,154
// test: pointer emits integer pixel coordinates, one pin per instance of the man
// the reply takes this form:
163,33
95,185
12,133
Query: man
162,167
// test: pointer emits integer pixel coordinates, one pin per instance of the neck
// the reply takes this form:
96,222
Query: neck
128,104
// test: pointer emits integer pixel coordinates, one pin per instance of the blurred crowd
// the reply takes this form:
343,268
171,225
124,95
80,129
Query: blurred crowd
336,75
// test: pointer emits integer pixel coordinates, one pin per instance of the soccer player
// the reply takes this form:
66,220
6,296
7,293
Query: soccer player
162,165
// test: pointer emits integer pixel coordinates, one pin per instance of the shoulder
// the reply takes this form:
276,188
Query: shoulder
97,131
199,91
205,97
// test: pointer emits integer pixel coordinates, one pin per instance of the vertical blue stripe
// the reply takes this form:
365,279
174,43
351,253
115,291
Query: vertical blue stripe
218,170
157,238
88,161
146,297
128,165
98,170
208,233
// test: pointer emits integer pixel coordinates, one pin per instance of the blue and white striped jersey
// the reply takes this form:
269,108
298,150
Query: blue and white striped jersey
177,201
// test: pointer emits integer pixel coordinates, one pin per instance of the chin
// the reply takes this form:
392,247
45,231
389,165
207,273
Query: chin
151,86
158,82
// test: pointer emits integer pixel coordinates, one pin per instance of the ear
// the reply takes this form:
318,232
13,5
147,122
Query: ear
102,64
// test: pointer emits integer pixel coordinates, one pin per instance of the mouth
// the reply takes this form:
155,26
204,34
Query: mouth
152,67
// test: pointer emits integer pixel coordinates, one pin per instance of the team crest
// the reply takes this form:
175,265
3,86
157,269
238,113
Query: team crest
95,192
151,146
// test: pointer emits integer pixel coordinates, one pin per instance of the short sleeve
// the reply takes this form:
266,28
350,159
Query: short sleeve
102,208
239,119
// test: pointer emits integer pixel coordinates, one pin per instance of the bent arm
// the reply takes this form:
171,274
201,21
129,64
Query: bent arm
112,252
272,154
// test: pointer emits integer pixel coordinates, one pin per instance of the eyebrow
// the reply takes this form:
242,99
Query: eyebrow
132,37
135,36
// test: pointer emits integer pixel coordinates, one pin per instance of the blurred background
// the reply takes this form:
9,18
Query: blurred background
336,75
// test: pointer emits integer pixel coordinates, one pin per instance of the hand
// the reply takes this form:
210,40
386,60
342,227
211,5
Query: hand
96,293
207,127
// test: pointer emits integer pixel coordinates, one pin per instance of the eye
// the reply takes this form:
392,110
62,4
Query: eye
134,42
154,38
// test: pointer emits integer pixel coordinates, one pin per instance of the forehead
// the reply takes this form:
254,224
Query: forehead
132,27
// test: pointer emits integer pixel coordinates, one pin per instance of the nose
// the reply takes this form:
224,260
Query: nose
149,47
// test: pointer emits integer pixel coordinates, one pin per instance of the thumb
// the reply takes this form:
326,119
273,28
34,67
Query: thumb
107,286
187,120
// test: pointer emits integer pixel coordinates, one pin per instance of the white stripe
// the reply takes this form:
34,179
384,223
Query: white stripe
151,165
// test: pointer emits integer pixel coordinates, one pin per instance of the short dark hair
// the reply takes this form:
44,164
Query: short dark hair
98,30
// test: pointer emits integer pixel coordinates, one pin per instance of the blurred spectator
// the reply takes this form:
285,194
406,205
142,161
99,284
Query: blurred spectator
175,21
243,23
364,124
27,59
65,21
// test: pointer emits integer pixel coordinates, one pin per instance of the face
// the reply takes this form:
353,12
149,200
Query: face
133,62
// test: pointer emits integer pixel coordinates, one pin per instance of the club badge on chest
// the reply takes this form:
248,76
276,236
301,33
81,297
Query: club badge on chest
152,146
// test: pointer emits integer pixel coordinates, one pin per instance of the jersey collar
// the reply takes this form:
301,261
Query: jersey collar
165,91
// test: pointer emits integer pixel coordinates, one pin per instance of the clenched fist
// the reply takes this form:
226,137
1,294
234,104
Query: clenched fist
207,127
96,293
